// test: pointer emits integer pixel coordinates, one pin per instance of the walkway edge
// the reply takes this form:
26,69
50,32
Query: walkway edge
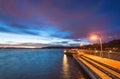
89,72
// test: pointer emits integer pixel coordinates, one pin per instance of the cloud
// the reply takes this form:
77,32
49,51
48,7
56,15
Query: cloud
66,19
34,30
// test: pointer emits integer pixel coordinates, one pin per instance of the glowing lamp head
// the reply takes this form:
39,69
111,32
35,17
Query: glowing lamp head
94,37
110,51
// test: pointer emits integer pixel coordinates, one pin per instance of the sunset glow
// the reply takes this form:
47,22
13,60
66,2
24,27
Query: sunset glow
61,23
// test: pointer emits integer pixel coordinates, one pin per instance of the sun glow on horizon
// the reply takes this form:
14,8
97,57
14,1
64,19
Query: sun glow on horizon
13,39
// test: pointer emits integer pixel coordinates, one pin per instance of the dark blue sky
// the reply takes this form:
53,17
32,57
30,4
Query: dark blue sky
57,22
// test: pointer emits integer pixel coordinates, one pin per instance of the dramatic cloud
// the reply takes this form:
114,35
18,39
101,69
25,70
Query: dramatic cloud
72,20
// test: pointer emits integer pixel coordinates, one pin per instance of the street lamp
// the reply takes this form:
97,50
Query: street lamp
81,44
98,36
94,37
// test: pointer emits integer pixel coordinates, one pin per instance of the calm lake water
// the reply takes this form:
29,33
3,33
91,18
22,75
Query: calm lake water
37,64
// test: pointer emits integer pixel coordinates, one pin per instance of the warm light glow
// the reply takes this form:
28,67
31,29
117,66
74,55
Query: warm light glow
96,51
81,44
65,67
20,46
94,37
64,51
110,51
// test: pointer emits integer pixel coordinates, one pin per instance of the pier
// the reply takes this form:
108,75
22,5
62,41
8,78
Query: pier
96,67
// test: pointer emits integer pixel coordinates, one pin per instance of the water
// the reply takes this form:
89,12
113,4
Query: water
37,64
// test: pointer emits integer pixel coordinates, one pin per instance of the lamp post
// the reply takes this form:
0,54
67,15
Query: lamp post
81,44
101,52
94,37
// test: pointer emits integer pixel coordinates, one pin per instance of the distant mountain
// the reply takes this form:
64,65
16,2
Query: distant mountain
60,47
111,45
114,44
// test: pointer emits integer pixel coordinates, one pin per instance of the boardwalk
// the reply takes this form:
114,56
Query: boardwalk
98,67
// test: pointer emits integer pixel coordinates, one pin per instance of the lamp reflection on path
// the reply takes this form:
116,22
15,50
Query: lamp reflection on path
65,67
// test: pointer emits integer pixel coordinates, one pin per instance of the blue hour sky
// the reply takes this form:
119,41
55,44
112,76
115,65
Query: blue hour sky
57,22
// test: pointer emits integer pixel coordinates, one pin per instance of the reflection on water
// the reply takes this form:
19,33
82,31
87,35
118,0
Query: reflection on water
37,64
65,67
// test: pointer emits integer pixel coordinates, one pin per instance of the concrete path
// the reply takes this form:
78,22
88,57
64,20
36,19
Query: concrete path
110,62
103,68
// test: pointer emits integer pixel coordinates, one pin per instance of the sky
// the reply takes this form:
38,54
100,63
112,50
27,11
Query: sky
38,23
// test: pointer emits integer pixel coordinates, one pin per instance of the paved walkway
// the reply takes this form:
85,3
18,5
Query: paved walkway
110,62
103,67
